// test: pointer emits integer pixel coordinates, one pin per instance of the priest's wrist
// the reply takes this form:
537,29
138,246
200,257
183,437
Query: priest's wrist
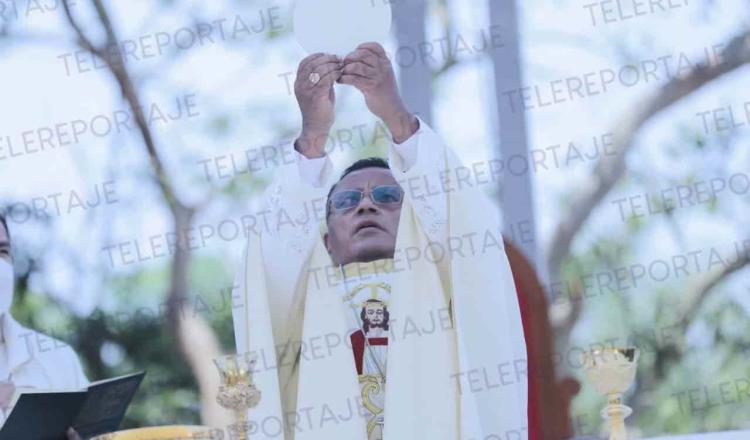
311,144
402,125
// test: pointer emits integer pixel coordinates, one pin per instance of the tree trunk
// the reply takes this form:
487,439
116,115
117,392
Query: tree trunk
195,339
517,197
415,75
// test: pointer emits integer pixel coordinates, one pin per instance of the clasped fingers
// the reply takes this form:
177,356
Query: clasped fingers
318,71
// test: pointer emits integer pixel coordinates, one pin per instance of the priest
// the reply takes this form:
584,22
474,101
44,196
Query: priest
380,321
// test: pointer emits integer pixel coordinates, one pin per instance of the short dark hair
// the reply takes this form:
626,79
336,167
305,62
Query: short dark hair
370,162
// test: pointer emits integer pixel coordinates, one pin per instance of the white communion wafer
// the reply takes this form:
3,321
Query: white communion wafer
339,26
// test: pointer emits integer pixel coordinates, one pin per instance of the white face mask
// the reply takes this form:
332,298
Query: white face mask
6,285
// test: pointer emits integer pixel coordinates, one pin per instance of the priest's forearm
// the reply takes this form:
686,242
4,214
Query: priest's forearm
370,70
311,144
316,98
402,125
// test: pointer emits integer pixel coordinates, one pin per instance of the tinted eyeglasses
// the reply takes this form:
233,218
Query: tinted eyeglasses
382,195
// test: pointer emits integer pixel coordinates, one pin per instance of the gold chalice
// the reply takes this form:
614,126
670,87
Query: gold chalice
237,392
612,371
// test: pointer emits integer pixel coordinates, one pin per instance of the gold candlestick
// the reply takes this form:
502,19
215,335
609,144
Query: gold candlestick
237,392
612,371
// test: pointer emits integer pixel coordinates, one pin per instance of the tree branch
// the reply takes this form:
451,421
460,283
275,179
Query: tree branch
668,354
611,168
186,330
111,55
696,297
83,40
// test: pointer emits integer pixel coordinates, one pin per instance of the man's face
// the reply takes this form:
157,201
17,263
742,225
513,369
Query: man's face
367,231
4,244
375,314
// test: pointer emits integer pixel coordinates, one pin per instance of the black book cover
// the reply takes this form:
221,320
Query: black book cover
105,404
48,415
42,416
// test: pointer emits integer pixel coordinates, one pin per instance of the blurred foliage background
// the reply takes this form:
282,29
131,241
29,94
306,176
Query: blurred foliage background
692,327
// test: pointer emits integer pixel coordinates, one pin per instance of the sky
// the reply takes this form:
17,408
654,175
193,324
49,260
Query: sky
239,84
242,81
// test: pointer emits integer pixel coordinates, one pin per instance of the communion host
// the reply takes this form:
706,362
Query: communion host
363,328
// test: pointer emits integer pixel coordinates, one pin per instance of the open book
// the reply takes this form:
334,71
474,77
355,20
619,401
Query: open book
47,415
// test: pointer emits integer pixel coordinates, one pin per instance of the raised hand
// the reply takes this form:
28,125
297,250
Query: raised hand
369,70
313,88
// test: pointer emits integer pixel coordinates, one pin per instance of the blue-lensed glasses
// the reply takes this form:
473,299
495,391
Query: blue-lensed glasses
381,195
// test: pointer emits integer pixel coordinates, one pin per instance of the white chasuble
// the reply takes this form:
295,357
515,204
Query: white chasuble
329,384
452,318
